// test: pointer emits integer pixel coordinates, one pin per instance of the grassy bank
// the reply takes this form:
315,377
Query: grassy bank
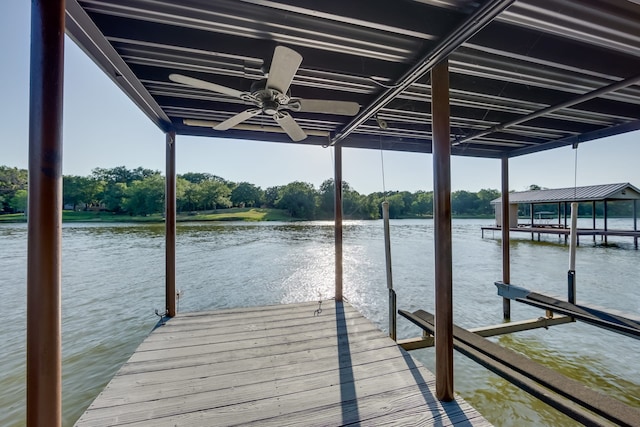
237,214
233,214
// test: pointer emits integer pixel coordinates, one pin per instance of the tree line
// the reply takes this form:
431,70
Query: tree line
141,191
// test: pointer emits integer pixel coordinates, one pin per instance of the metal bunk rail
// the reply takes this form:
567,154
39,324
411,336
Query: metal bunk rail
569,396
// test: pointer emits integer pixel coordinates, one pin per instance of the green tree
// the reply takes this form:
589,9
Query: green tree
78,190
271,196
422,204
485,196
146,196
183,193
11,180
464,203
396,205
326,199
192,195
247,194
19,201
353,203
196,177
214,194
299,199
122,174
113,196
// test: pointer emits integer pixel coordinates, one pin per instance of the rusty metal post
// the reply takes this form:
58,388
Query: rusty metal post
170,224
44,269
593,215
442,231
506,261
337,184
564,210
531,212
606,219
635,222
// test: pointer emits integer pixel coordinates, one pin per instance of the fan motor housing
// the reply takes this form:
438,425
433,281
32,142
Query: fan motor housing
270,106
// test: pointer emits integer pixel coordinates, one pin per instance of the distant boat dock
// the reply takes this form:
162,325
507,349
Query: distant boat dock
542,222
561,231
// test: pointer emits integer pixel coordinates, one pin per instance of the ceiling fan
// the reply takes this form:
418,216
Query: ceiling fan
272,97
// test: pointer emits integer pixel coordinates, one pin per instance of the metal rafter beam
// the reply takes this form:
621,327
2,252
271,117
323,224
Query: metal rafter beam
86,34
474,23
576,139
553,108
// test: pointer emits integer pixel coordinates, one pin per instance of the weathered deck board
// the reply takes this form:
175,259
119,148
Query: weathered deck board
276,365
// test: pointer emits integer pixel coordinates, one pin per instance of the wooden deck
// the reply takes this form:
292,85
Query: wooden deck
274,366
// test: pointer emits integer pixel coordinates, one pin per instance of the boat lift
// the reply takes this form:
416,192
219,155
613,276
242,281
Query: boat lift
564,394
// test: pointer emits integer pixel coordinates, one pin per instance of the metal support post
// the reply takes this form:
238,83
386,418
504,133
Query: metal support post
170,224
593,214
531,209
635,222
44,253
387,253
337,182
606,218
506,260
571,277
442,230
571,284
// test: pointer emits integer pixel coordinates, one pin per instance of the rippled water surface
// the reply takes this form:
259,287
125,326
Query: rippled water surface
113,279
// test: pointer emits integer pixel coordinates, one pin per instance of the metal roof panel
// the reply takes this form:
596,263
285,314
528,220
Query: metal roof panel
546,61
621,191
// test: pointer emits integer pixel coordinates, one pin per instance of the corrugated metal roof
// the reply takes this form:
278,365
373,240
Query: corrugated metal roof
623,191
569,67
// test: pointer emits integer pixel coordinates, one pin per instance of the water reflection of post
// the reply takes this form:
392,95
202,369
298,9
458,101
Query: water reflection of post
44,269
337,184
170,225
442,230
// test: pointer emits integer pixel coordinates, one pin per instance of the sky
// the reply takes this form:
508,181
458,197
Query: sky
103,128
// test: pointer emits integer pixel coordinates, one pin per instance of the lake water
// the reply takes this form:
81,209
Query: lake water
113,280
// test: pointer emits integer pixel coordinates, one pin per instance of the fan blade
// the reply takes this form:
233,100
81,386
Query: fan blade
201,84
343,108
290,126
284,66
237,119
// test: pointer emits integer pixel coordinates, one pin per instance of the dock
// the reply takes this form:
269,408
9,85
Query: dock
312,364
564,231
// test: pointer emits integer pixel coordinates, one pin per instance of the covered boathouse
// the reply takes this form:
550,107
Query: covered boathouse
493,78
555,222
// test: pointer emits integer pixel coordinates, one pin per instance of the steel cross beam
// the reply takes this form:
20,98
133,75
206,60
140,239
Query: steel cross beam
553,108
474,23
